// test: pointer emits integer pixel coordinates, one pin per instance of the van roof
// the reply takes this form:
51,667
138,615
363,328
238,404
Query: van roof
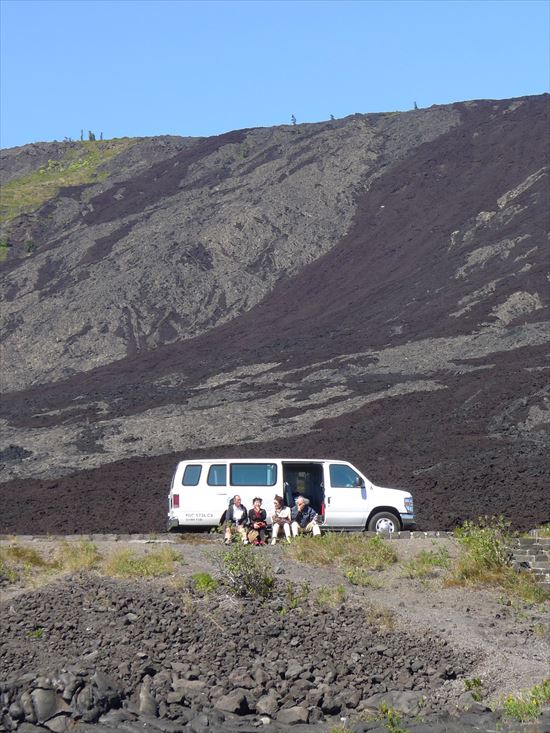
261,460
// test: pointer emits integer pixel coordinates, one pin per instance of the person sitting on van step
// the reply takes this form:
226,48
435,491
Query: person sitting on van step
280,518
257,522
236,520
304,518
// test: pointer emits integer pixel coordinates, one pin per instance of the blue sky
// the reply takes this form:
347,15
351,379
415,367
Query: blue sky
134,67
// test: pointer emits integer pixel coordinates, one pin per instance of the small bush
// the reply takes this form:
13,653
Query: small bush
245,572
527,706
75,556
485,545
484,560
361,577
330,596
474,686
204,582
426,563
296,595
388,716
23,556
126,563
8,574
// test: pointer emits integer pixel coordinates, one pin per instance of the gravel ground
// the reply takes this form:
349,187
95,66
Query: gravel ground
152,655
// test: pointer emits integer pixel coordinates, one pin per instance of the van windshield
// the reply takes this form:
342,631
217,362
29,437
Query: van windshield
253,474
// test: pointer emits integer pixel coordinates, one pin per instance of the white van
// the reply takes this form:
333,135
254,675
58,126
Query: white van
342,496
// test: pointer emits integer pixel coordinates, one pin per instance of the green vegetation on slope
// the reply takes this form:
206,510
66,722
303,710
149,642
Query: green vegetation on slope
78,167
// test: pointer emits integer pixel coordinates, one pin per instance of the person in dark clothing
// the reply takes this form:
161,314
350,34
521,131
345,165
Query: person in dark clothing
257,523
304,518
236,520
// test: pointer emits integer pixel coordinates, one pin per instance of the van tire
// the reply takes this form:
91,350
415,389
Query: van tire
384,522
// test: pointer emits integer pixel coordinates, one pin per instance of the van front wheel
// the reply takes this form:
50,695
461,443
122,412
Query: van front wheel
384,522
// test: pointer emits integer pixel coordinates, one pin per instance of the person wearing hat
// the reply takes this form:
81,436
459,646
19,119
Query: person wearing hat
280,518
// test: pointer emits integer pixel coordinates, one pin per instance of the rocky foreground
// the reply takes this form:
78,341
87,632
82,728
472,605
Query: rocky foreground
91,653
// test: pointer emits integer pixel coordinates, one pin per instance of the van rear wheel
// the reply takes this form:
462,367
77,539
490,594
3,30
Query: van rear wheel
384,522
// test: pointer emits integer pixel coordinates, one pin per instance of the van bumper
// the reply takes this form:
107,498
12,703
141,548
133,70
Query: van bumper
172,523
408,521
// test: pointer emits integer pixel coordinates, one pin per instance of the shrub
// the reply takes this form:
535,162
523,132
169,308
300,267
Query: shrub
75,556
527,706
484,560
424,565
474,686
204,582
388,716
245,572
126,563
360,576
296,595
334,596
485,545
23,556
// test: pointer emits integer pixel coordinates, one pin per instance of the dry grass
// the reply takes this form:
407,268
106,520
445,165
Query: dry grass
330,596
349,551
76,556
381,617
126,563
427,564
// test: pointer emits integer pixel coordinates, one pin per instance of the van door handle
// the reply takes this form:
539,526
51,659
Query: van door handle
328,499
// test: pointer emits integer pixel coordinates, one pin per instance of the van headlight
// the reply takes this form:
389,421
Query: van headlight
409,505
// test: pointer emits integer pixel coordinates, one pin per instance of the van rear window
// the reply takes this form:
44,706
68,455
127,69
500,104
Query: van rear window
253,474
191,475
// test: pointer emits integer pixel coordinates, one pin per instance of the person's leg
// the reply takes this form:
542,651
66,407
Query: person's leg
295,529
286,528
242,533
314,528
227,535
275,533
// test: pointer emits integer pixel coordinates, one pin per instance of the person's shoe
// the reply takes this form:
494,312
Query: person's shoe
274,541
288,540
245,542
257,542
227,542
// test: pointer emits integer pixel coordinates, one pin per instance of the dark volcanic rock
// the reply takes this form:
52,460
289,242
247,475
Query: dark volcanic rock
373,288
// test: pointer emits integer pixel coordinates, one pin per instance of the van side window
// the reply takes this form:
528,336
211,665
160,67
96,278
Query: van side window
217,475
253,474
343,476
191,475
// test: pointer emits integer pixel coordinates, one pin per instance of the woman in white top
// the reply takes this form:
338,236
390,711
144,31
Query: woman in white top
236,520
280,518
